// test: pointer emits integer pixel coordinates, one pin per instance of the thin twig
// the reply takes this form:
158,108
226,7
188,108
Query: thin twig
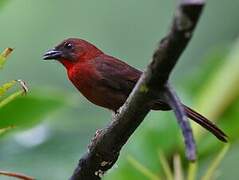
16,175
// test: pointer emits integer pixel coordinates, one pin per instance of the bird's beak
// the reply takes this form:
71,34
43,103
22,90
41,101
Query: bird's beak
52,54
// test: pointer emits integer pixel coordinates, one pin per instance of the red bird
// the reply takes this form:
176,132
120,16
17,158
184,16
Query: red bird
107,81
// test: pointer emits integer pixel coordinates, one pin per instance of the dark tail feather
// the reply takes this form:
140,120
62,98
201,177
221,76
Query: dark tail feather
204,122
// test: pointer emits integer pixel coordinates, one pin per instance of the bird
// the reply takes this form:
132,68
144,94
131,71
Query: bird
107,81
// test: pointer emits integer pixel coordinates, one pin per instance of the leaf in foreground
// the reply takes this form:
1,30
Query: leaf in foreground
28,110
4,55
142,169
215,163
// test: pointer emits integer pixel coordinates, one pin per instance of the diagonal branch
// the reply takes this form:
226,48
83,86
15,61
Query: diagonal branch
105,147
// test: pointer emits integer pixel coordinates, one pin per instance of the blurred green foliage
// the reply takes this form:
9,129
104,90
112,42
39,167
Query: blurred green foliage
18,112
177,172
2,2
128,30
27,111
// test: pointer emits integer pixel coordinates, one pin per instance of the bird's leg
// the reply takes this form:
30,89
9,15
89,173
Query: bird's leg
172,99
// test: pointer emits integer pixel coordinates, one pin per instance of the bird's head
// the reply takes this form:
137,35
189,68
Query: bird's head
72,51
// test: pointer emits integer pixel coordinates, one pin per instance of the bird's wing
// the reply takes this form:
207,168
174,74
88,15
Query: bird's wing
121,77
116,74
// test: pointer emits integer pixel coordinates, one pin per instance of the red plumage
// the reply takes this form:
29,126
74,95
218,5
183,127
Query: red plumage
107,81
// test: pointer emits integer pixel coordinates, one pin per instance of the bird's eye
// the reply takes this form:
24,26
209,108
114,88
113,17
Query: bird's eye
68,46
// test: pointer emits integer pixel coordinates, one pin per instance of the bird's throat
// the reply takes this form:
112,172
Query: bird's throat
68,65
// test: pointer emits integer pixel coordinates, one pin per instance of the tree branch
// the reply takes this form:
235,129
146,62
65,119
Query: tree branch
105,147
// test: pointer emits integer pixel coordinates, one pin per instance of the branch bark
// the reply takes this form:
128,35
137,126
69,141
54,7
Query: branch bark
105,147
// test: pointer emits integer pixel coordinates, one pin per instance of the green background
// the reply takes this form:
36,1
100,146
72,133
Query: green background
129,30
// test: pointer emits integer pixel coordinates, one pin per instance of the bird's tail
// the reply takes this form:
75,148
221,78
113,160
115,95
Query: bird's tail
204,122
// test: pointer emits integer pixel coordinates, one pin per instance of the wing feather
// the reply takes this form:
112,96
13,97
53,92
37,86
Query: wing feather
116,74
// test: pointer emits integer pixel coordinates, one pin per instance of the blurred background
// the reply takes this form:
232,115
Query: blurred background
54,123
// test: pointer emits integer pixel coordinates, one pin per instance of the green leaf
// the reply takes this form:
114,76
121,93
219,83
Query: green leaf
226,79
219,92
192,170
6,129
10,98
142,169
4,55
212,168
165,165
29,110
6,86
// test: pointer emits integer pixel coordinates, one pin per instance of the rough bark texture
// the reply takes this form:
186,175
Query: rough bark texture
105,147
